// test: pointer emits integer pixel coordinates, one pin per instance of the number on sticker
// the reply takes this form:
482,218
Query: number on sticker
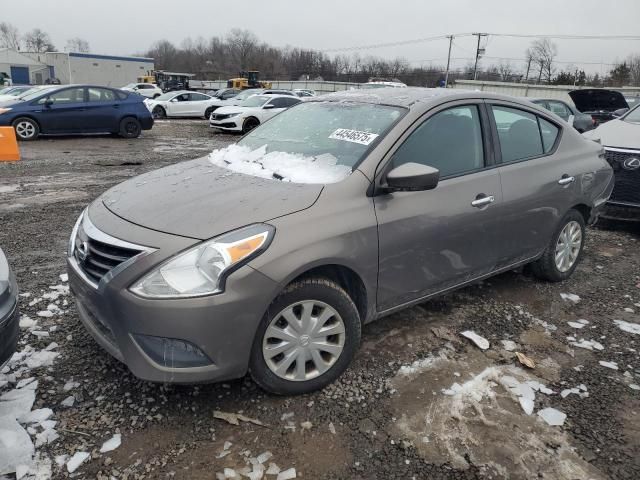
355,136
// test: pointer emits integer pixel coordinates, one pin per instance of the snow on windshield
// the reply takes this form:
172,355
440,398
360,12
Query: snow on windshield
288,167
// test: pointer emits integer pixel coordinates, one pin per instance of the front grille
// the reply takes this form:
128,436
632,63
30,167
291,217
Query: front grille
627,180
220,116
96,258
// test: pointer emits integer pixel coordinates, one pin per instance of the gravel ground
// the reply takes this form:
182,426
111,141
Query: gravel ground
396,413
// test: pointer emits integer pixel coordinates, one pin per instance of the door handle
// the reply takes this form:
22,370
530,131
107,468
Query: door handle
116,106
566,180
481,201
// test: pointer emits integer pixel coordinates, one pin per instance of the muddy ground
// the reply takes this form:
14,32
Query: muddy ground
420,401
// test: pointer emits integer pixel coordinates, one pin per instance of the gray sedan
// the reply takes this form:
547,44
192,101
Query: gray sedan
582,122
269,255
9,329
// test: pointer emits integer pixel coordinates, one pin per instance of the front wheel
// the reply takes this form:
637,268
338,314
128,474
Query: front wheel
26,128
307,338
159,112
208,112
561,257
250,124
130,128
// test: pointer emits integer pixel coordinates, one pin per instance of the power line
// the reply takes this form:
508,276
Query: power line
513,35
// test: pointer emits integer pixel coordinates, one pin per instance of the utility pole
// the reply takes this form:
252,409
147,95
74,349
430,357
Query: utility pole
479,53
446,77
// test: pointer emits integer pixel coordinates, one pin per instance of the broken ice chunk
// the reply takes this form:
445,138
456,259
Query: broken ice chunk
263,457
576,324
287,474
509,345
68,402
15,445
64,277
611,365
70,386
628,326
480,342
273,469
111,444
570,297
588,344
17,402
61,459
78,459
36,416
552,416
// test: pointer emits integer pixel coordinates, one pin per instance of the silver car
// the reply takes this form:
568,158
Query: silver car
621,140
269,255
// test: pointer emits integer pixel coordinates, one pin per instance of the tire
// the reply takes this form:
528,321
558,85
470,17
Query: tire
159,112
325,299
208,112
249,124
26,128
546,267
130,128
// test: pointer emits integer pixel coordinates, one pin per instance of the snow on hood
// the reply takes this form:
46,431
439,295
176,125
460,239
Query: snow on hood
617,133
288,167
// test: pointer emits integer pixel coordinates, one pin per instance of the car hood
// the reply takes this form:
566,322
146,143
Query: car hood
617,133
8,98
197,199
237,109
595,100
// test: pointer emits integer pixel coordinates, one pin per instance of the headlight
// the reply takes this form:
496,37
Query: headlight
4,110
202,269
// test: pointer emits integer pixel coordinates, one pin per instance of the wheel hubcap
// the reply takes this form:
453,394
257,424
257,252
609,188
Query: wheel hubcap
25,129
568,246
303,341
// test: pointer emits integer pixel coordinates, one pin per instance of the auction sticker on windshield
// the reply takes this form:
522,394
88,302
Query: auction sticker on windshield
355,136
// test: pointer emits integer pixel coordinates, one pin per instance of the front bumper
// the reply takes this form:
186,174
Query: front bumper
229,125
142,333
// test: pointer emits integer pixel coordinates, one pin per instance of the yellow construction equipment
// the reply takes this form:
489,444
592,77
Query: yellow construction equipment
250,79
9,151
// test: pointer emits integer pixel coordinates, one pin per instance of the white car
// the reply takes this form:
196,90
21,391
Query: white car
250,113
181,103
11,93
149,90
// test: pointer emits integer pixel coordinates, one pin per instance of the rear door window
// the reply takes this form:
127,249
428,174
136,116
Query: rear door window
101,95
450,141
518,132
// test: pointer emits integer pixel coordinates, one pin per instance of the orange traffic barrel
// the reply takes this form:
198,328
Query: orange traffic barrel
9,151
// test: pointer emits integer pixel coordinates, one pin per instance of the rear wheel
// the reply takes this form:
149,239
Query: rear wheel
26,128
130,128
561,257
307,338
249,124
159,112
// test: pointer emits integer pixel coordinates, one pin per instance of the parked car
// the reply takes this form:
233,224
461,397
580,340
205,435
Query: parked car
243,95
9,329
12,92
621,141
580,121
254,111
73,109
181,103
226,93
149,90
599,103
269,256
303,92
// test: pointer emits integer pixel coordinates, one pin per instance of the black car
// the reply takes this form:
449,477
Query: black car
582,122
600,103
9,327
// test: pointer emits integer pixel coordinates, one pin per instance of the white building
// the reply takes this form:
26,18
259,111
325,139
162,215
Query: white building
22,68
106,70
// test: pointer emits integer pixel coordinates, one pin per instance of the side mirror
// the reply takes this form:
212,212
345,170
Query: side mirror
174,100
48,102
412,177
269,107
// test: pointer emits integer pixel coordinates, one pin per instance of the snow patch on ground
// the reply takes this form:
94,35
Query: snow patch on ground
628,326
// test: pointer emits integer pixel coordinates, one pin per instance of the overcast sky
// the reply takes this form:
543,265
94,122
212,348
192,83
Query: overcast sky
126,27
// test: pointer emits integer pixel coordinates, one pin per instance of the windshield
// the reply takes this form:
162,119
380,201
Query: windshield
35,93
255,101
247,93
316,142
165,96
633,116
15,91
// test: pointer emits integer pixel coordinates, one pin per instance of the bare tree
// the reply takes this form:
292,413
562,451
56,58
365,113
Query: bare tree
38,41
634,69
77,44
544,52
506,70
241,45
529,58
9,36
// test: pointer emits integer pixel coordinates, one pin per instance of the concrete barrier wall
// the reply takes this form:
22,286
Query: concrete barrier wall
318,87
533,91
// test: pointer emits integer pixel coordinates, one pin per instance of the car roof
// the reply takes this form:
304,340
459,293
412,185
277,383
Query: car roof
408,97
